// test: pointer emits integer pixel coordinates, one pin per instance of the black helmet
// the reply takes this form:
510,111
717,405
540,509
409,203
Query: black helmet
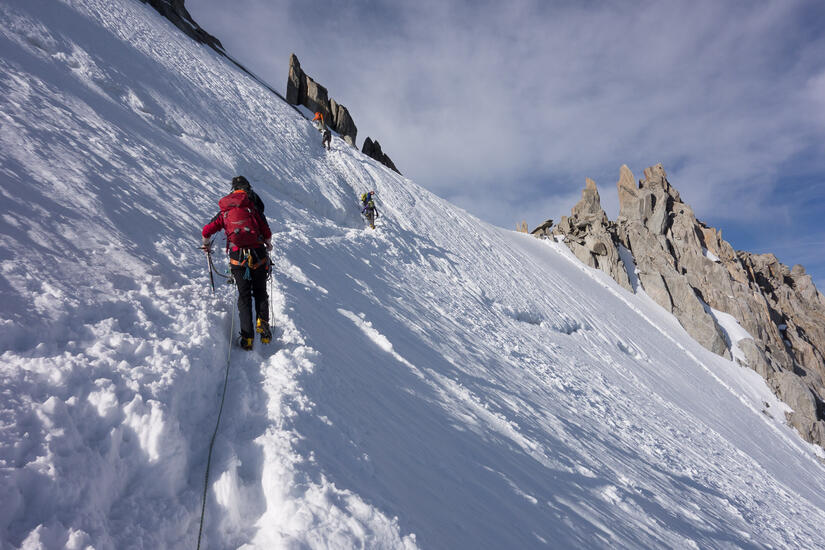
239,182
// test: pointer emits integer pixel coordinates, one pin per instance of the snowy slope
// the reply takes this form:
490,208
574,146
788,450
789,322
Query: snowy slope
437,383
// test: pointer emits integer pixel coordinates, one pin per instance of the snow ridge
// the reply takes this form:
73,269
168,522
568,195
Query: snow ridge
437,382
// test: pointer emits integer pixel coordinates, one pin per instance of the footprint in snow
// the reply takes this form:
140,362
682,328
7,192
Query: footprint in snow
629,350
568,326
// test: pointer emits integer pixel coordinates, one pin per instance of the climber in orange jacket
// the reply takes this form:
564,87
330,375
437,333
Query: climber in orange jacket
319,121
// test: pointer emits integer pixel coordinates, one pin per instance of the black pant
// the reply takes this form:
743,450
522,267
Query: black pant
255,287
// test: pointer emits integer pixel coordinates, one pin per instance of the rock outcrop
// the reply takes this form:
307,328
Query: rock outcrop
657,228
301,89
591,236
176,12
543,229
342,122
690,270
373,149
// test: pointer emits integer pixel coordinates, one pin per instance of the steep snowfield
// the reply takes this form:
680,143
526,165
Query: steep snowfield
437,383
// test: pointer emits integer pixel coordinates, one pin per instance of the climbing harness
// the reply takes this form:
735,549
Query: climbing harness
248,262
217,424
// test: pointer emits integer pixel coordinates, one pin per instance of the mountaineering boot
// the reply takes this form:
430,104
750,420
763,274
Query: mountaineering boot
246,342
263,330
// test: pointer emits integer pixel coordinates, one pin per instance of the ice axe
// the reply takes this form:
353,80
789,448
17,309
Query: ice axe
208,249
209,266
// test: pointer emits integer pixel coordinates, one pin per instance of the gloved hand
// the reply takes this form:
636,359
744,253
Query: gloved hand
268,246
207,245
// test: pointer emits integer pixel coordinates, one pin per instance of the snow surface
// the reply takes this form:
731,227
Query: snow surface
710,255
734,332
436,383
630,268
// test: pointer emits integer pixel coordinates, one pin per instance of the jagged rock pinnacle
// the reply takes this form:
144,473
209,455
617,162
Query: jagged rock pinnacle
688,269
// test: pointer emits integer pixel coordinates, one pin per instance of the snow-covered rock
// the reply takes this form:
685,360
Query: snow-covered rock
689,270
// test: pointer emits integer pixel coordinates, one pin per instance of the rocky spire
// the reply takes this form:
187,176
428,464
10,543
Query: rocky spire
176,12
643,229
690,270
301,89
373,149
627,193
591,236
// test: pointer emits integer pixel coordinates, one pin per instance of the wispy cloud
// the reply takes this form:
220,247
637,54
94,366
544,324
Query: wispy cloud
487,102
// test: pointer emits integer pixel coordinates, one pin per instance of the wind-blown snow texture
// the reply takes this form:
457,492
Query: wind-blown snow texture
437,383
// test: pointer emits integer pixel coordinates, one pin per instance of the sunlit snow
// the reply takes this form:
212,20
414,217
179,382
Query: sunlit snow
435,383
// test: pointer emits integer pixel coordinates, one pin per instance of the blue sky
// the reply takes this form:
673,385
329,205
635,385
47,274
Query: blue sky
505,107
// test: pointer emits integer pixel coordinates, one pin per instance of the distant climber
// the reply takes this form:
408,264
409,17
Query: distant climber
327,140
319,121
248,244
368,207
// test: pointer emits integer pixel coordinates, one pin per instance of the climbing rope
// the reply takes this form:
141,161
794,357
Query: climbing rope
214,269
217,424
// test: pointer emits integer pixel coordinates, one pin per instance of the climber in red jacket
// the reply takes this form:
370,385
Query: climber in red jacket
248,242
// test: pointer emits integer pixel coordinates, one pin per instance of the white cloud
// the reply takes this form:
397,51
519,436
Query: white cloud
527,98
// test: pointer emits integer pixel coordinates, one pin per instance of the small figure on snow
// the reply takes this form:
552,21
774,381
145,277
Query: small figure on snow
327,139
368,207
248,244
319,121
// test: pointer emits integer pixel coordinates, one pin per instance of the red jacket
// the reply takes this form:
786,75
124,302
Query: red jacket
217,224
